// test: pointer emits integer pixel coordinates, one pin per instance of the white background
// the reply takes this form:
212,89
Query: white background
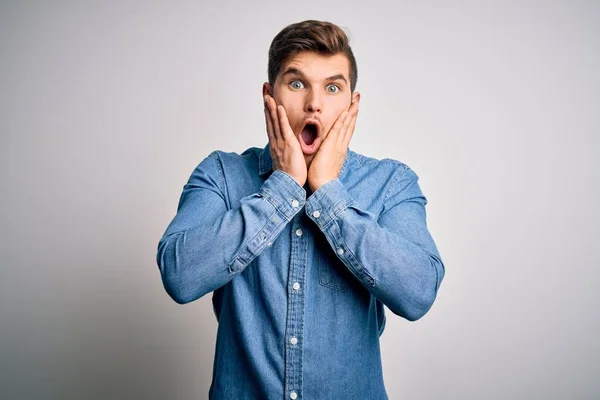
107,107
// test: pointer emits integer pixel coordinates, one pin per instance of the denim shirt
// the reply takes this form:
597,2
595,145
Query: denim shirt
299,280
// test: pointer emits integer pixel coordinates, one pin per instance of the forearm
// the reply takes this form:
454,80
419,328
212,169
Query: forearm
404,276
395,258
206,245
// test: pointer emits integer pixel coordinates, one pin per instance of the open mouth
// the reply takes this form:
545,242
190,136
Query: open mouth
309,134
309,138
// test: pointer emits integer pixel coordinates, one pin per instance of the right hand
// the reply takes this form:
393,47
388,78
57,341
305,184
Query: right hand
286,153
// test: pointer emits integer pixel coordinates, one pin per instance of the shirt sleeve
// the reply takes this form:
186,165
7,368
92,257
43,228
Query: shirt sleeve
206,244
392,254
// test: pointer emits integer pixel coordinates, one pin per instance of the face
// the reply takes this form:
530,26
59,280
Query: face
314,90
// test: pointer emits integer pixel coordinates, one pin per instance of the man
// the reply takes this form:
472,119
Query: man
303,241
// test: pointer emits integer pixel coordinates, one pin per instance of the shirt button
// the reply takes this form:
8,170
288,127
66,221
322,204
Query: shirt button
298,232
295,203
340,251
269,244
293,340
296,286
293,395
316,214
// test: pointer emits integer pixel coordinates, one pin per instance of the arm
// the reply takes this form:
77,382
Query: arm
206,244
393,255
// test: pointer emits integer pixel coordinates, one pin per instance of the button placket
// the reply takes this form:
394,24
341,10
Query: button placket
295,309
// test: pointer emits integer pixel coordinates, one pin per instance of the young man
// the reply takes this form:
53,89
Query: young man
304,241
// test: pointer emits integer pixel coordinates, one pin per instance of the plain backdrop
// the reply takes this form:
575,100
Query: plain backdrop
107,107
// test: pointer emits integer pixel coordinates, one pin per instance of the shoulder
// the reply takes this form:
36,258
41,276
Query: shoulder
248,155
386,168
219,162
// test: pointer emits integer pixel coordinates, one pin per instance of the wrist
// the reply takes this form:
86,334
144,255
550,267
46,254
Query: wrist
299,178
316,184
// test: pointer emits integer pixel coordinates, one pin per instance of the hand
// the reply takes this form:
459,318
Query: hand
327,163
285,149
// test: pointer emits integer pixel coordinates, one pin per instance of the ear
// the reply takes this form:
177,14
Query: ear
267,89
355,97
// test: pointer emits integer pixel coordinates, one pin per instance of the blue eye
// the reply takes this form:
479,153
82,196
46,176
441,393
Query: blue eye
296,84
337,89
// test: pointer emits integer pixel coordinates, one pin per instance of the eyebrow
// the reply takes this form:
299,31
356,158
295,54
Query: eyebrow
296,71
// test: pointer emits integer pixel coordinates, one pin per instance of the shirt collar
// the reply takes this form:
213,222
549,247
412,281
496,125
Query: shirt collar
265,162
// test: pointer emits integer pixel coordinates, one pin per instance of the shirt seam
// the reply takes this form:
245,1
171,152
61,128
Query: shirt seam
399,172
246,247
363,270
222,182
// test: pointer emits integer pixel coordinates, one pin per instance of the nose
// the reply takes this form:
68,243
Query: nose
313,102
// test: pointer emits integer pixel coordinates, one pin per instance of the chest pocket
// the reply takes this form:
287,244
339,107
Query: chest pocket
333,274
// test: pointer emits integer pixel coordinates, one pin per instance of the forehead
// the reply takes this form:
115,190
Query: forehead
317,66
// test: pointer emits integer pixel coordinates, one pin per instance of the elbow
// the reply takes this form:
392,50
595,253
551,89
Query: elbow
181,285
176,284
178,291
418,310
424,295
414,307
175,277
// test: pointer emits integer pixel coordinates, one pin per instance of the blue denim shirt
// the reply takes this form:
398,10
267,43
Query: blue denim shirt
299,280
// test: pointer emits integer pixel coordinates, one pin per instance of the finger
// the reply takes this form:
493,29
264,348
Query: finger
336,129
347,128
275,121
350,130
269,123
286,130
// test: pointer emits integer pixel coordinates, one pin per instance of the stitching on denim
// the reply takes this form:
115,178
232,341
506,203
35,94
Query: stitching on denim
266,194
338,208
343,289
269,197
363,271
399,172
349,155
222,182
334,283
245,246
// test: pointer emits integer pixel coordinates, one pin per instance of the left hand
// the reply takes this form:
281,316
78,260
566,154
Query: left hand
327,163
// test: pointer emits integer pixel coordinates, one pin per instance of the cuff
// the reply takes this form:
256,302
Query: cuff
286,195
327,202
